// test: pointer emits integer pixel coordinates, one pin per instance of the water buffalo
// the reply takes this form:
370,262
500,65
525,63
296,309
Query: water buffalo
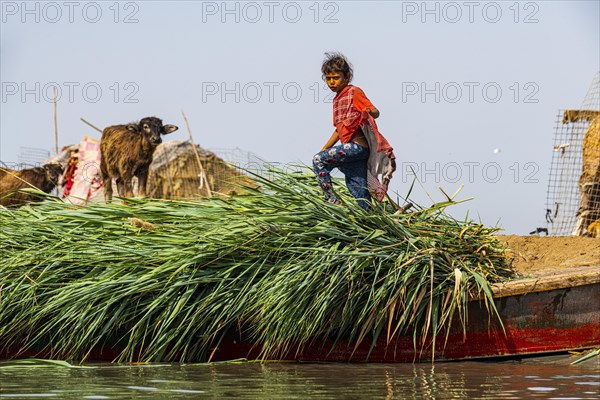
44,178
126,151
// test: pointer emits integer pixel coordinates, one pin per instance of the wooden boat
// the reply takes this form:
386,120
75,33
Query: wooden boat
555,312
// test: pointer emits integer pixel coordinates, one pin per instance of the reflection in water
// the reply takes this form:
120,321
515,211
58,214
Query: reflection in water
535,378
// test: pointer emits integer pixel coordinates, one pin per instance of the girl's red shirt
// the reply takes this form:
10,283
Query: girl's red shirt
348,106
349,115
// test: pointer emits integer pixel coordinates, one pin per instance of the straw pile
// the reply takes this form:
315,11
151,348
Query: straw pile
176,172
168,279
589,181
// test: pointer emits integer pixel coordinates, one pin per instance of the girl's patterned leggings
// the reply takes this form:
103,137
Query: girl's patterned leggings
351,159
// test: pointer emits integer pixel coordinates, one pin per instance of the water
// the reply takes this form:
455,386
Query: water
547,377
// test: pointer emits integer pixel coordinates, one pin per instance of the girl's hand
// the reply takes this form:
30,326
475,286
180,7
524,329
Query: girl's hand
332,140
372,111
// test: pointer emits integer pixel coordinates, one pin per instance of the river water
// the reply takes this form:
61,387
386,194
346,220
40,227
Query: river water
550,377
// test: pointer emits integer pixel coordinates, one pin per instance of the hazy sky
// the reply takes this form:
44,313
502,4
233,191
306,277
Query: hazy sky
468,91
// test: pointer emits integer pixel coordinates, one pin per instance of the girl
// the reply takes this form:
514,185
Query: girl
352,113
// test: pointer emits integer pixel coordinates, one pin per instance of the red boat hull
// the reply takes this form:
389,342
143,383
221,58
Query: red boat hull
549,321
534,322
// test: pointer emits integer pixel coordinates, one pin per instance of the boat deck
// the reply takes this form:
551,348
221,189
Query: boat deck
549,279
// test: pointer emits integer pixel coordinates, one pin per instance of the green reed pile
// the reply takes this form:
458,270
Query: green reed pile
166,280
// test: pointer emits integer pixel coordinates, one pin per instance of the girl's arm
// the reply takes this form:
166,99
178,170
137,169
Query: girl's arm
362,103
332,140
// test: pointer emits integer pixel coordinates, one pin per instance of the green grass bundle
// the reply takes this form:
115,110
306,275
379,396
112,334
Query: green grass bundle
168,279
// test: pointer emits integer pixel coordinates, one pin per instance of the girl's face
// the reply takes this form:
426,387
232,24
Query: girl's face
336,81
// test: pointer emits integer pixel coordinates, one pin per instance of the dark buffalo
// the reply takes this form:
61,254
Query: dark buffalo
127,151
44,178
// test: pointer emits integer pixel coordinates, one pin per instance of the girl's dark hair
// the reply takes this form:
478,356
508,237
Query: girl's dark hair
336,62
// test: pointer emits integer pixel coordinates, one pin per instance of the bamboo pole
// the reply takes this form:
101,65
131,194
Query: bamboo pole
55,123
202,173
95,127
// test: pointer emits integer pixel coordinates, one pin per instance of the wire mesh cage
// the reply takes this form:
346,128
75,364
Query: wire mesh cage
573,197
32,156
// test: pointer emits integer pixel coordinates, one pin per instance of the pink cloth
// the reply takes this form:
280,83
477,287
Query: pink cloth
86,179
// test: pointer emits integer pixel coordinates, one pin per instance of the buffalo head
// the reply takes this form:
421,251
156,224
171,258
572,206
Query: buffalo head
53,172
152,128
